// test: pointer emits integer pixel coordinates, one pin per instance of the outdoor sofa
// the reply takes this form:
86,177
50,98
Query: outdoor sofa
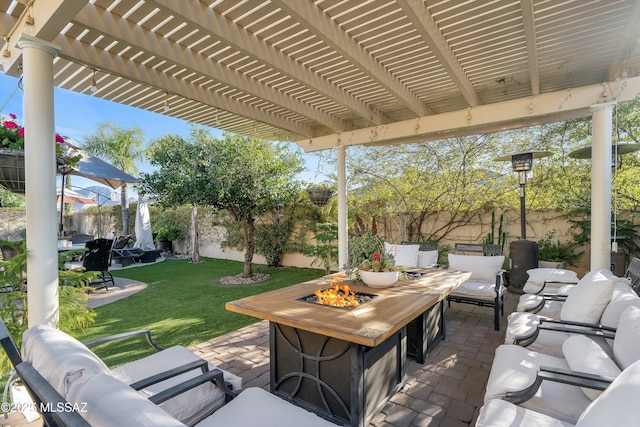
172,387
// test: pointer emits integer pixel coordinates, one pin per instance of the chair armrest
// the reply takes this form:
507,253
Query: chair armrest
216,376
564,376
125,335
566,326
544,284
154,379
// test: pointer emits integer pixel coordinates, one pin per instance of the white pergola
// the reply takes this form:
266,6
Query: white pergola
326,74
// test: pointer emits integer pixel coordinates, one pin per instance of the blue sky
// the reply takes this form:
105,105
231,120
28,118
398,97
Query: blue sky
79,114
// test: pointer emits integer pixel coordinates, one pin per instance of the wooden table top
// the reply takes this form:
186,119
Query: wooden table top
368,324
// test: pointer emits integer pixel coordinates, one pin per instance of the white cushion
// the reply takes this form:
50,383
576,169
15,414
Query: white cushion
617,404
189,407
427,259
500,413
547,342
541,275
58,357
107,402
403,255
626,344
479,290
482,268
584,355
588,299
257,407
623,296
514,368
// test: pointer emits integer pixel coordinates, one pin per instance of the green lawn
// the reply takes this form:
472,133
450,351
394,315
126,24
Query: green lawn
182,305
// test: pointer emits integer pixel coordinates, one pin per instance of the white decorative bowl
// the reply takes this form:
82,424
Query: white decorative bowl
382,279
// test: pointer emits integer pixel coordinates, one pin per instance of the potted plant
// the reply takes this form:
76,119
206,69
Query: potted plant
12,154
167,229
370,263
555,254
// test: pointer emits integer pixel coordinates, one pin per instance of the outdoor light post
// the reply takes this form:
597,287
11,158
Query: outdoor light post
522,163
523,253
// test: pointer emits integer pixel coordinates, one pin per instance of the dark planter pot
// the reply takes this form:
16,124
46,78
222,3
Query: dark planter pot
320,196
12,170
164,245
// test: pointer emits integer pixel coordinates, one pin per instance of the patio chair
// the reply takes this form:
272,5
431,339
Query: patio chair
123,252
81,238
594,307
485,287
614,407
62,360
514,372
96,258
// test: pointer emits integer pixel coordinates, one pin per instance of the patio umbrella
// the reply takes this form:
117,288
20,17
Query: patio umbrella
144,236
73,198
91,167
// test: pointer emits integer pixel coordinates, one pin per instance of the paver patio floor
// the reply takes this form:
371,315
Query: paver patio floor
445,391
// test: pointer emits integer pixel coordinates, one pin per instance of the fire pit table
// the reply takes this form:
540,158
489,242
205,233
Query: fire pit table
345,363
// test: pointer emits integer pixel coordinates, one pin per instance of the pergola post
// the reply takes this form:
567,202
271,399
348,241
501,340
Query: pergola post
40,179
343,224
601,186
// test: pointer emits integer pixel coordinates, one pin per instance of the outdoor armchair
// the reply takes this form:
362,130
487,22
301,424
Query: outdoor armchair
96,258
485,287
62,360
614,407
515,372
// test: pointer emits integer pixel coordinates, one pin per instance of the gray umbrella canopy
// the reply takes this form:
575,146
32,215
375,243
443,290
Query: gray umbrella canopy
94,168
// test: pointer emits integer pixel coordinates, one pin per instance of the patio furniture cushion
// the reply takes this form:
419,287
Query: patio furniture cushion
479,289
500,413
403,255
515,368
589,298
109,402
58,357
427,259
68,360
584,355
530,302
617,404
626,344
266,410
482,268
189,407
537,277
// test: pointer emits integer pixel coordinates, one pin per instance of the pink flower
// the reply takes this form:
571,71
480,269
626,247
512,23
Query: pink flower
13,116
59,139
21,131
10,124
376,256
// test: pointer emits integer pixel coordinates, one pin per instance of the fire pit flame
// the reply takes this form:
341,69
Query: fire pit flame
339,295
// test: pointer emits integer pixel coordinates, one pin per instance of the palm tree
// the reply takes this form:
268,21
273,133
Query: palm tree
122,148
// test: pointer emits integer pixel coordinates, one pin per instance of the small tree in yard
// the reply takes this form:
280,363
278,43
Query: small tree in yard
241,175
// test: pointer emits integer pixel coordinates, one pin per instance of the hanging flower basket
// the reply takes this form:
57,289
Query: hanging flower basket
12,170
320,196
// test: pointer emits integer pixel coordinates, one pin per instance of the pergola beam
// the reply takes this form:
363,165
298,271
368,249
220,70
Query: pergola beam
424,23
80,52
131,34
325,28
225,30
529,111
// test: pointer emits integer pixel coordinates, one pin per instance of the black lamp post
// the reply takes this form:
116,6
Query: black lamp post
522,163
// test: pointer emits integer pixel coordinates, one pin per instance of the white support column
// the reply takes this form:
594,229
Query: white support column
343,223
40,180
601,185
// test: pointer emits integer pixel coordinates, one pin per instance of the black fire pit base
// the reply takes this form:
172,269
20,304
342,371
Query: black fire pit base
343,382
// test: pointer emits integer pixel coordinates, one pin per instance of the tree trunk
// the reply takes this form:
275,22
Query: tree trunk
249,236
124,203
195,254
